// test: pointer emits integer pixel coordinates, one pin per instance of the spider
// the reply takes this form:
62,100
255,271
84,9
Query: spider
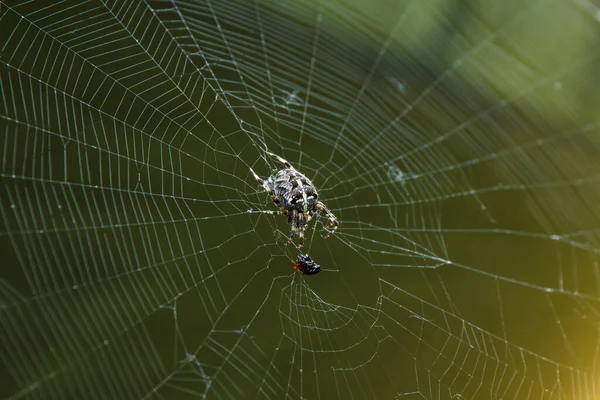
306,265
297,197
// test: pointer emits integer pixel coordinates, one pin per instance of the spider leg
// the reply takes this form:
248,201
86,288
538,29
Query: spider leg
281,160
309,215
263,183
279,212
301,221
333,222
293,218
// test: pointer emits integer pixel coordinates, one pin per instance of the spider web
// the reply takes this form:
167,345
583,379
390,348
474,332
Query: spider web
456,142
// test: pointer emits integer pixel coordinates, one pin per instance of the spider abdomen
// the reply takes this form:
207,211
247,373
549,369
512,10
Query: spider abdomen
294,190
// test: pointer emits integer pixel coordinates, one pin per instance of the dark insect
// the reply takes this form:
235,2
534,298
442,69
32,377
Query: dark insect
306,265
297,197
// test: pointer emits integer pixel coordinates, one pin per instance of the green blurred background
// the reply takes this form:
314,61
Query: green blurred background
455,141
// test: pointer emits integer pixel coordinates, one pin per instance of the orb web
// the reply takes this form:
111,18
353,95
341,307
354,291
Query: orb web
456,143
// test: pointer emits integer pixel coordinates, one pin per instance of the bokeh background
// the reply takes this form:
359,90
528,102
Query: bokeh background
456,141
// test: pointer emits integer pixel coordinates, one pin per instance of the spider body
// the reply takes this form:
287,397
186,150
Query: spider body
306,265
293,190
297,198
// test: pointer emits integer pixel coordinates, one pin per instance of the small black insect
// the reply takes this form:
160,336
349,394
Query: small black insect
306,265
297,197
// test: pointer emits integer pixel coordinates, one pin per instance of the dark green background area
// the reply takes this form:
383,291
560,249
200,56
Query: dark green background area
455,141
